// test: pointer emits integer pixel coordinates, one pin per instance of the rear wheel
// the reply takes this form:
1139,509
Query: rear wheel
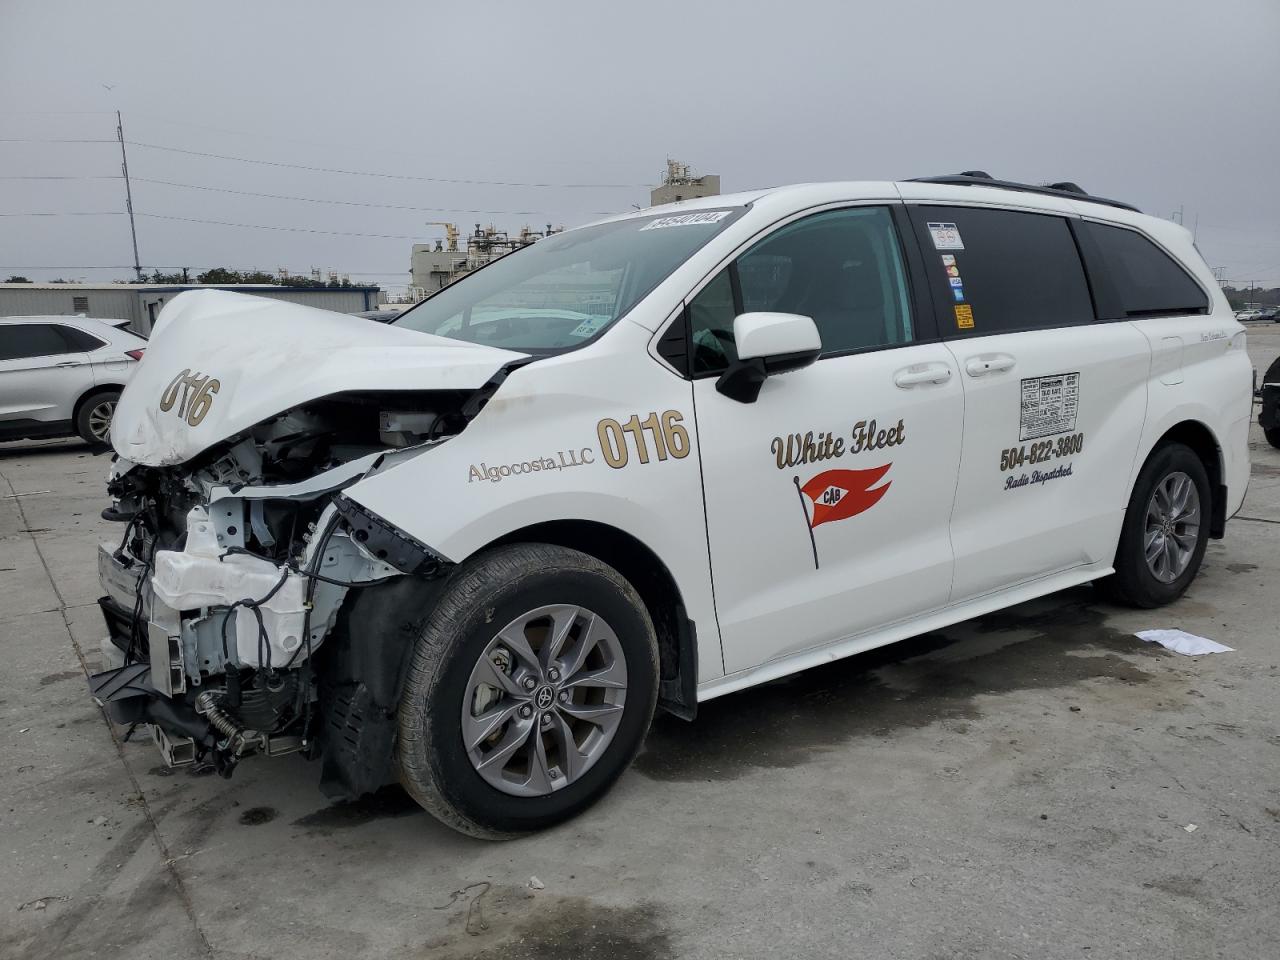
531,688
1165,531
93,418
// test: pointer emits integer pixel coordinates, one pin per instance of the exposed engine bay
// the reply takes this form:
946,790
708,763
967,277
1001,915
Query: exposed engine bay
234,570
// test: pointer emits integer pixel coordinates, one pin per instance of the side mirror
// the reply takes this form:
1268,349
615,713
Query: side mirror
767,344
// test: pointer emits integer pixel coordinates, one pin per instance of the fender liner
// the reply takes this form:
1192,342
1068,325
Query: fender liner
363,669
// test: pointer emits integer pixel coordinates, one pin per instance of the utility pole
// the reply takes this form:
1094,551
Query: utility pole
128,194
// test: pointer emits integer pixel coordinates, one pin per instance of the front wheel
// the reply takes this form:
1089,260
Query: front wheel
531,687
1165,530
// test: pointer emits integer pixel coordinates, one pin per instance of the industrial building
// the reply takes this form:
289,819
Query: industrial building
432,266
140,303
680,183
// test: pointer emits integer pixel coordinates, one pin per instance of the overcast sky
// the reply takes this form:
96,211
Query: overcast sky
1161,103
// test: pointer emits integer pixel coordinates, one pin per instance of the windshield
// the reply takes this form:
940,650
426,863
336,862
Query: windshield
562,290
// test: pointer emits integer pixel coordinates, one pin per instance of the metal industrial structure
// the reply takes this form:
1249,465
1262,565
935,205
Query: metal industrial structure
140,303
680,183
433,266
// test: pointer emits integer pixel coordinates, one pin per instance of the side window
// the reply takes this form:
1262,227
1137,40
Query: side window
997,271
21,340
843,268
79,341
1144,280
711,315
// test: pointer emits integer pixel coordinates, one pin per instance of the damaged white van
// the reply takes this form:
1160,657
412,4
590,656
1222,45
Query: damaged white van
649,462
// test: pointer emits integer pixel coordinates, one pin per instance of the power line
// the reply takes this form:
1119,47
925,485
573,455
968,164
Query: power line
54,140
264,226
92,176
355,203
68,213
368,173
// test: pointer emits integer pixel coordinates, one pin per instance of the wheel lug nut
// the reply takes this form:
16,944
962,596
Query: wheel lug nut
564,696
529,683
546,719
553,674
526,711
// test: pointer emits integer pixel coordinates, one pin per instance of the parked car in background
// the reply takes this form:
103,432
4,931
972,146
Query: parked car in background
1252,314
62,376
1269,313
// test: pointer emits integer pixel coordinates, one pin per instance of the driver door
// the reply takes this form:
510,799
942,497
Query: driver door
828,499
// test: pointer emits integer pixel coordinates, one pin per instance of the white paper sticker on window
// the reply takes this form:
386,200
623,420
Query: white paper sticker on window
687,219
1049,405
946,236
588,327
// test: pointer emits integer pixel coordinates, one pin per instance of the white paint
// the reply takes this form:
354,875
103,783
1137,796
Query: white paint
947,541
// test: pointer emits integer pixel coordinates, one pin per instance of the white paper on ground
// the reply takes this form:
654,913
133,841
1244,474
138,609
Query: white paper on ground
1179,641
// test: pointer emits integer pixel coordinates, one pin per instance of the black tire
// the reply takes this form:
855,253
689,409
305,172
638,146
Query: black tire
88,416
481,597
1273,436
1133,583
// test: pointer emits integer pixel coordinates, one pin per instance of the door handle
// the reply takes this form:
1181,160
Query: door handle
987,363
69,363
914,376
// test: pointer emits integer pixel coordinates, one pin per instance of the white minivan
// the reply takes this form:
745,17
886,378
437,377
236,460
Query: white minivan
648,462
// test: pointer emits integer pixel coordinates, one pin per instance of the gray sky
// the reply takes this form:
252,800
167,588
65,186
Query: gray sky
1162,103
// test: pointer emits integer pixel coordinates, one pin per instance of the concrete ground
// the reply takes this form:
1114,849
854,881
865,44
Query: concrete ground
1034,784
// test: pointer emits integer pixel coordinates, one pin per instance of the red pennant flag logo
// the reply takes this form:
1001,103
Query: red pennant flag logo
840,494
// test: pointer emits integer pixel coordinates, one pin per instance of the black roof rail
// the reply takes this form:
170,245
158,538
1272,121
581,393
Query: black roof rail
1065,188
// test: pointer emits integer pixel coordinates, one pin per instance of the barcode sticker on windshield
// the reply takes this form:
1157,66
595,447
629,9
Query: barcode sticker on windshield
687,219
588,327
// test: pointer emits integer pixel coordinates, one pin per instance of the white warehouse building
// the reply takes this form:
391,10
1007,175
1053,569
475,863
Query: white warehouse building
140,303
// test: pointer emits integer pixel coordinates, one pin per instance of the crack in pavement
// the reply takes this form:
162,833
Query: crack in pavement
168,862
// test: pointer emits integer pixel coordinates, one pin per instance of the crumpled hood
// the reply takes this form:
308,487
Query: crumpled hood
268,356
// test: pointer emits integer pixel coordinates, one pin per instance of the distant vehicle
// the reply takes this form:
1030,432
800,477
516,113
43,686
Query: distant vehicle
1251,314
1269,313
62,376
1269,417
378,316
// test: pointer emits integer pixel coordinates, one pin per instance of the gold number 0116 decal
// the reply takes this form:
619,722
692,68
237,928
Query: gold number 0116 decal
669,438
197,396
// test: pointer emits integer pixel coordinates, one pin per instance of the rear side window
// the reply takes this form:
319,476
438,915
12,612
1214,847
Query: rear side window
78,340
998,271
1143,280
21,340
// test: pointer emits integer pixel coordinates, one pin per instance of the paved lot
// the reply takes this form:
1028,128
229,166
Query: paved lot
1023,785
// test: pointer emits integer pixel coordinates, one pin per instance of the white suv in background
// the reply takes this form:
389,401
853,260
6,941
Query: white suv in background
62,376
475,547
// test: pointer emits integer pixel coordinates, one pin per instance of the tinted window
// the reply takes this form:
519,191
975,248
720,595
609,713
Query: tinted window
78,340
1144,280
843,268
995,271
19,340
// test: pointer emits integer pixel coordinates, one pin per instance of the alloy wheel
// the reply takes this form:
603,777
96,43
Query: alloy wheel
100,420
1172,527
544,700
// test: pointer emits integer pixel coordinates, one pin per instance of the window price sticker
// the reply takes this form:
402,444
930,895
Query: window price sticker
946,236
1049,405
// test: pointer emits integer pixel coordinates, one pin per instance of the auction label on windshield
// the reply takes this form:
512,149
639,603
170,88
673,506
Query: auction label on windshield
687,219
1049,405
